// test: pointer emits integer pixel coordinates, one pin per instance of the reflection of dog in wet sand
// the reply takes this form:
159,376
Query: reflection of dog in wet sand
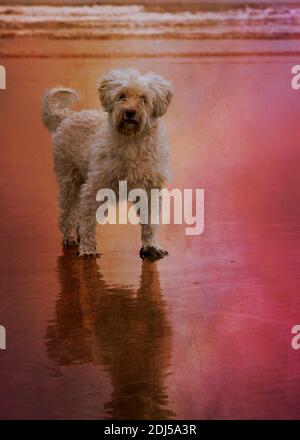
126,331
95,149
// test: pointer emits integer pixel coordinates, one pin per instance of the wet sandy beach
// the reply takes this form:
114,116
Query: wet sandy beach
203,333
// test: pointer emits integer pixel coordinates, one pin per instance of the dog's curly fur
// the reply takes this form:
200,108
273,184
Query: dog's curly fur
95,149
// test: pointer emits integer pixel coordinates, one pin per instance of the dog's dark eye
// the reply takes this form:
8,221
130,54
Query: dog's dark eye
144,98
122,97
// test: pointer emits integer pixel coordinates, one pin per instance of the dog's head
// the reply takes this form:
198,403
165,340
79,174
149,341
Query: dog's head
134,101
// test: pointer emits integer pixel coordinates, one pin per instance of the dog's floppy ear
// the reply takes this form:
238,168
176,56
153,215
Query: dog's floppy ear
162,93
106,88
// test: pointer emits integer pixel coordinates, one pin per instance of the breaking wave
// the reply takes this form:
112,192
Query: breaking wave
104,21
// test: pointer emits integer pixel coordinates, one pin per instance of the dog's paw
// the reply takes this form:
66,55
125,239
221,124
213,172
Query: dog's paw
69,242
153,252
91,255
87,247
88,251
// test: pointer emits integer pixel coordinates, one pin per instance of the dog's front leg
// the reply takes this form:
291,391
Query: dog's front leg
150,247
87,221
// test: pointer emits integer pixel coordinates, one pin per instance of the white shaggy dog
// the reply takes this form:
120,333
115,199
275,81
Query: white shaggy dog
95,149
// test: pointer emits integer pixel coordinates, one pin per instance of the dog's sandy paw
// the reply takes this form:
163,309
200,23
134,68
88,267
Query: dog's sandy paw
88,251
153,252
94,255
69,242
89,254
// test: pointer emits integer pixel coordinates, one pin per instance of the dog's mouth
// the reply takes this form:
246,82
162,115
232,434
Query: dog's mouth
129,121
128,124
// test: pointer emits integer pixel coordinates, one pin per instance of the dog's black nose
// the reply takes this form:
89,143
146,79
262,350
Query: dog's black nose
129,114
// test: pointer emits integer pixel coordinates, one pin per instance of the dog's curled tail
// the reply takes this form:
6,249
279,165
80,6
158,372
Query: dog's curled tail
56,104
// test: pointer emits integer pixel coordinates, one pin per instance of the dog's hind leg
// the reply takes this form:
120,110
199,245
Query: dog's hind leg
87,222
69,207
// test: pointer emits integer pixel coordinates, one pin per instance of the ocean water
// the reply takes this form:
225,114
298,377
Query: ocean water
280,21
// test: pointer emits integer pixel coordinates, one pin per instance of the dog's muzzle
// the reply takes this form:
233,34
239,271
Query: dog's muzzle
129,115
129,121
